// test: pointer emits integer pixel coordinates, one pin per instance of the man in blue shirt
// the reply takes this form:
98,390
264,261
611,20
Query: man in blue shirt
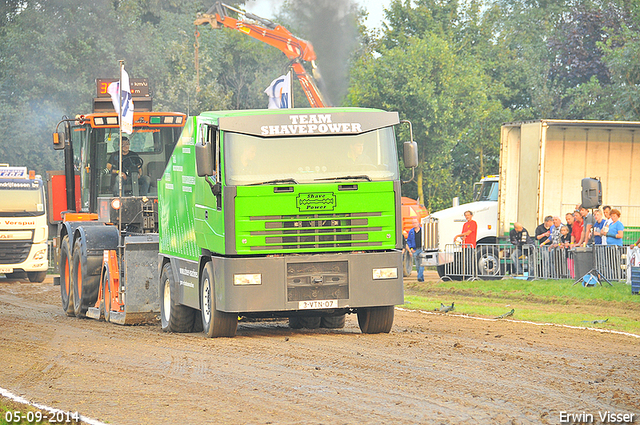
414,240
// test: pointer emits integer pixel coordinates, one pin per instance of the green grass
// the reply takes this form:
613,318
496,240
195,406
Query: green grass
543,301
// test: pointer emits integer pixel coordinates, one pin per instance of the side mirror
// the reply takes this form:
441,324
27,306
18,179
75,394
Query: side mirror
204,159
58,140
410,154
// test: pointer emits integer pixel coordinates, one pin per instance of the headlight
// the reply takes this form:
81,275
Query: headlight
247,279
387,273
40,255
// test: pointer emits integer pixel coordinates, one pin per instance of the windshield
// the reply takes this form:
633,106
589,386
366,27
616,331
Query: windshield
489,191
21,198
254,160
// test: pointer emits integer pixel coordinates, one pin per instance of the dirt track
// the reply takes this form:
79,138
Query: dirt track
432,368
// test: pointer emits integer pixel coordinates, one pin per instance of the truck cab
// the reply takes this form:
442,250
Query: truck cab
23,224
441,227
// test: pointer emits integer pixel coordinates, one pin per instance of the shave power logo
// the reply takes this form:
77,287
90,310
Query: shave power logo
325,201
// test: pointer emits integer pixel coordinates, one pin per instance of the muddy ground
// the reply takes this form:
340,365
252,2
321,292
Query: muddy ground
431,369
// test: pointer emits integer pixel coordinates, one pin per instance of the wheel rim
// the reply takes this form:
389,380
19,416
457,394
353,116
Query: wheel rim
167,300
488,265
206,300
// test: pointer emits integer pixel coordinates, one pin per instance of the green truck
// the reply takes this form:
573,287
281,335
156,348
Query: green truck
255,213
282,213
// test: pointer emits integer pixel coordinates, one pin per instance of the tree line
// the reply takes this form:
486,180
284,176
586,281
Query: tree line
455,69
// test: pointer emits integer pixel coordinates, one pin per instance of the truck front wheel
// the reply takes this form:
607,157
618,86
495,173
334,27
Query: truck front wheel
37,277
375,320
488,262
66,294
407,263
174,317
85,284
215,323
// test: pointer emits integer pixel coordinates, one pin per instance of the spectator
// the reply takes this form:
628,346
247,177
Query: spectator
565,240
554,238
569,218
414,240
597,227
576,228
543,231
587,227
636,244
469,230
519,237
615,230
606,211
543,234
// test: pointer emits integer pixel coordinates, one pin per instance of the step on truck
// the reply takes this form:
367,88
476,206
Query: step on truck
23,224
282,213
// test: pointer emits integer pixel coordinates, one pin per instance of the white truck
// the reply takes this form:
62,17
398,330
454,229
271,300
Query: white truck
23,224
542,164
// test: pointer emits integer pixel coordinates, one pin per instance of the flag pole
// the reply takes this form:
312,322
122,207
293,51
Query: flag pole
119,111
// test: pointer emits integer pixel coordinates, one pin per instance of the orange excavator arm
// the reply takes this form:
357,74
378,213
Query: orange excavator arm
296,49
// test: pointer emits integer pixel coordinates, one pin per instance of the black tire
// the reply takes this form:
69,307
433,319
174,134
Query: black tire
333,322
66,271
488,260
215,323
85,284
37,277
407,263
307,322
105,303
375,320
174,317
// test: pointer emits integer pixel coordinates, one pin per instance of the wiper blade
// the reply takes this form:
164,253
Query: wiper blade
359,177
275,182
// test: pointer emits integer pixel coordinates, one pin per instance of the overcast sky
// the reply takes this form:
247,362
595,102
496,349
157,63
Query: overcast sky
265,9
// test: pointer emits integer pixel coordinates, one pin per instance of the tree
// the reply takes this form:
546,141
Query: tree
419,71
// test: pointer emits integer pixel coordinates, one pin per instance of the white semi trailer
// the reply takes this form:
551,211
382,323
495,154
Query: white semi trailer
542,164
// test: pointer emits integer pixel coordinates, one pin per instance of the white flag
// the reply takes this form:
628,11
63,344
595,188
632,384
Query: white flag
279,92
126,118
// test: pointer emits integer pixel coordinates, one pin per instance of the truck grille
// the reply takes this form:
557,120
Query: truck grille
430,231
14,252
288,232
318,281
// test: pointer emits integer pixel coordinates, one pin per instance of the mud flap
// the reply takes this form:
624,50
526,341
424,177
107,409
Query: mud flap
140,281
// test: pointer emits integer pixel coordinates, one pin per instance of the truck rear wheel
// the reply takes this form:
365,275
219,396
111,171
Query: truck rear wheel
307,322
215,323
37,277
66,289
375,320
333,322
174,317
85,285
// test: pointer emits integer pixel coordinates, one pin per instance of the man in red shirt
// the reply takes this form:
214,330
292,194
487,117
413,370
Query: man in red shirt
469,230
576,228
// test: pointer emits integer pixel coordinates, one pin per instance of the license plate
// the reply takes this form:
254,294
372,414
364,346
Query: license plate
6,270
309,305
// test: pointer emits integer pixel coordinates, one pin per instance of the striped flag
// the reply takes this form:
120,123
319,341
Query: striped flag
126,118
279,92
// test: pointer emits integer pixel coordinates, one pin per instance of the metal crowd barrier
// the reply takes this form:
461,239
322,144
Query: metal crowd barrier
531,261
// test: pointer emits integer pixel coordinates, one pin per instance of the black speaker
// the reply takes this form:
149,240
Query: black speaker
591,193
